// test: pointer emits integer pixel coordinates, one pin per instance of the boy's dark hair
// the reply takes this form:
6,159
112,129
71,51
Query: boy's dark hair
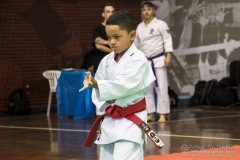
123,19
148,4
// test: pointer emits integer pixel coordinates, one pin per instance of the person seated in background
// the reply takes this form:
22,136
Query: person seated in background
99,37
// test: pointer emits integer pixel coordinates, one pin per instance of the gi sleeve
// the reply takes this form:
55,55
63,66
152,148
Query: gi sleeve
137,40
100,74
167,38
101,105
136,77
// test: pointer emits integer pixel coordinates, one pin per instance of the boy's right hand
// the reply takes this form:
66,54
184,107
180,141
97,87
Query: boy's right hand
112,101
87,81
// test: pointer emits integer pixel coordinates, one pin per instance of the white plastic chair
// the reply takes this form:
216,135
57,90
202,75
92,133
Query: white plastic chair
52,76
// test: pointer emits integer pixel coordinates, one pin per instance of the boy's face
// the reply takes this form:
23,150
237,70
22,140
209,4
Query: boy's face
148,12
108,11
119,40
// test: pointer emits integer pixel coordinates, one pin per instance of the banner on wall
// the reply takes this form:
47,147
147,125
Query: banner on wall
205,37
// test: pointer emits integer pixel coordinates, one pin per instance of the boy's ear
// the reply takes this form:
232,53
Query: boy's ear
132,35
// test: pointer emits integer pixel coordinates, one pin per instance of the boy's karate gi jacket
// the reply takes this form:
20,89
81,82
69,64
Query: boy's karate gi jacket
127,82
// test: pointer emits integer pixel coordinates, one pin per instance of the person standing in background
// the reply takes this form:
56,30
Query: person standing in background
154,40
99,37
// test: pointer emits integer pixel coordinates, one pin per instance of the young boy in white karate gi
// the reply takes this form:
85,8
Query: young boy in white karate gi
122,79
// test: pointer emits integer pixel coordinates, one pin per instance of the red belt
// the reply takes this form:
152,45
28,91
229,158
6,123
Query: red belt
128,112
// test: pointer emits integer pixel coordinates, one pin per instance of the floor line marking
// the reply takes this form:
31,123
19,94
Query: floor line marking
75,130
198,137
40,128
235,112
20,117
191,119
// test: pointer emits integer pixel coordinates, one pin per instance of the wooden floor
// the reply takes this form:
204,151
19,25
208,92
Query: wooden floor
38,137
